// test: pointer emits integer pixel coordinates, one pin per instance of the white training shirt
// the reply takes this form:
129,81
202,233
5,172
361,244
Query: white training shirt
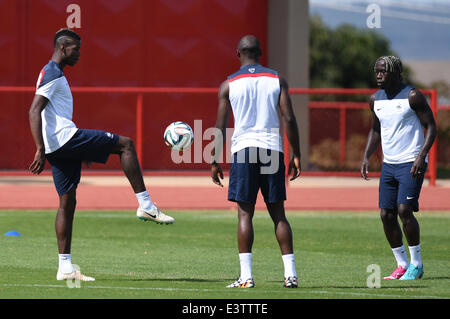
57,125
402,136
254,93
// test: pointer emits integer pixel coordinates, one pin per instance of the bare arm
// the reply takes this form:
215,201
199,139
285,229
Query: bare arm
373,140
290,123
38,104
223,116
419,104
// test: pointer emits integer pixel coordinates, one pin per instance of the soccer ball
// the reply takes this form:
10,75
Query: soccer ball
178,136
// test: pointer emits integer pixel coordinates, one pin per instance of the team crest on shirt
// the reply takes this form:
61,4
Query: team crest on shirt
109,135
251,70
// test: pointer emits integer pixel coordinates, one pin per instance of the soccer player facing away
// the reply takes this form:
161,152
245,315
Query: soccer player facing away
255,95
65,147
399,114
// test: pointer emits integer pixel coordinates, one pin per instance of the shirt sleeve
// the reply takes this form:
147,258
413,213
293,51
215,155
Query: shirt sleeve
47,90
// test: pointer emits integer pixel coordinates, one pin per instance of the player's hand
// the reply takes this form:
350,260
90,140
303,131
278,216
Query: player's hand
365,169
216,172
295,166
38,163
419,167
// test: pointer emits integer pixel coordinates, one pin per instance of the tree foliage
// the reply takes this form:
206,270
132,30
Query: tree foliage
344,57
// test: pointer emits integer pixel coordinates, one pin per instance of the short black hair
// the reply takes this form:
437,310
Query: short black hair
65,33
249,46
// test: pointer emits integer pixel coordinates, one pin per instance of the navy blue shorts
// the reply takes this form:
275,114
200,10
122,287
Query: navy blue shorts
253,169
397,186
85,145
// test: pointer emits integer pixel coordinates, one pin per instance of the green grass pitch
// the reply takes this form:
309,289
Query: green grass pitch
197,256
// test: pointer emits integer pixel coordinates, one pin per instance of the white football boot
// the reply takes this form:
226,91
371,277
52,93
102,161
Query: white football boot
75,275
154,215
239,283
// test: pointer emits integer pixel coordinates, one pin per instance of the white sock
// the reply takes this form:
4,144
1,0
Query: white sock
144,200
246,265
400,256
414,251
65,263
289,265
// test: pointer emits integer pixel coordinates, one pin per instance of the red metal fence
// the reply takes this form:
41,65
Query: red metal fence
342,106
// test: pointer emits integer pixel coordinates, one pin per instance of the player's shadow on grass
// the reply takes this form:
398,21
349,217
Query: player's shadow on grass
169,279
435,278
365,287
383,286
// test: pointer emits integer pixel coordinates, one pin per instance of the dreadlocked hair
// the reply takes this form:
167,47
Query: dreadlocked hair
393,64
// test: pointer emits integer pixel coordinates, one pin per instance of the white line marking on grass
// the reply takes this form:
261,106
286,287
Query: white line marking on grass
224,289
104,287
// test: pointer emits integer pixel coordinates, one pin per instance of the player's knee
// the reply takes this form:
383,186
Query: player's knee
245,215
126,144
388,216
405,212
279,218
67,207
68,199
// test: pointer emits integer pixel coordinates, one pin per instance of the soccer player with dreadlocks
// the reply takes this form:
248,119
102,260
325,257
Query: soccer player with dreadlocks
399,115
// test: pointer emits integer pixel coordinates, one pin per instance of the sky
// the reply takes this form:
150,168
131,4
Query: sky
417,29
